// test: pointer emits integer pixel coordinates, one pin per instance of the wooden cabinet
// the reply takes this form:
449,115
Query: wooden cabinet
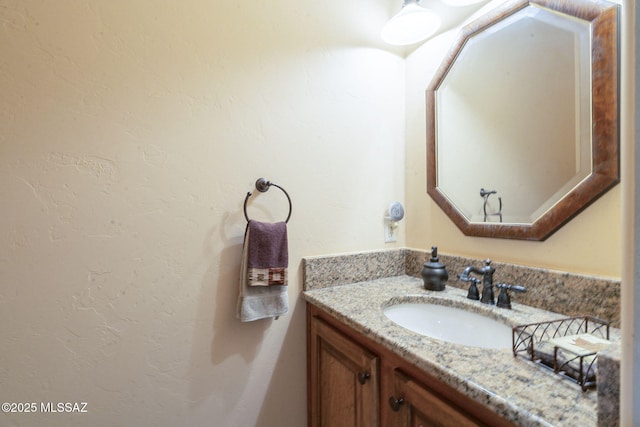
344,378
354,381
417,406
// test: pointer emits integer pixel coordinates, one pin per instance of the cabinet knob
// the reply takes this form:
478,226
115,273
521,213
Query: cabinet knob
363,377
395,403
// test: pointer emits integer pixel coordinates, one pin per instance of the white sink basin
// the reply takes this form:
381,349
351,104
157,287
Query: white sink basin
451,324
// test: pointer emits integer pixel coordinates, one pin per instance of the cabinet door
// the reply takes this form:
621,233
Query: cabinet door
416,406
343,380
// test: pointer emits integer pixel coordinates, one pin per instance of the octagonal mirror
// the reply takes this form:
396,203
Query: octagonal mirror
522,118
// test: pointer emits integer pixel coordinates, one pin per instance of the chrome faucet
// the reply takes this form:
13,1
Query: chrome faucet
487,282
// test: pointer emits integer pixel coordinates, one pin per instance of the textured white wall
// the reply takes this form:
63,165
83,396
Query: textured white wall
130,132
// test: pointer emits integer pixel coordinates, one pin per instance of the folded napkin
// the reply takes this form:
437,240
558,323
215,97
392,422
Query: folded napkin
262,290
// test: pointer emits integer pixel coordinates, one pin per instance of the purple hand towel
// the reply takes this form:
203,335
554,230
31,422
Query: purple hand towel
263,301
267,253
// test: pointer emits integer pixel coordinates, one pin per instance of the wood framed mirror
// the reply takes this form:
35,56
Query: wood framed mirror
523,118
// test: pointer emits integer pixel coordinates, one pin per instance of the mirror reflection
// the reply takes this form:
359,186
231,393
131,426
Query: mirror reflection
484,103
512,119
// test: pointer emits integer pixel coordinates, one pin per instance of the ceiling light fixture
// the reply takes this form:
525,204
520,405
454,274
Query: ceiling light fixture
412,24
458,3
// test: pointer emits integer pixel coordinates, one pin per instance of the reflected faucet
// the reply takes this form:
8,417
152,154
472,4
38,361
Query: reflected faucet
487,282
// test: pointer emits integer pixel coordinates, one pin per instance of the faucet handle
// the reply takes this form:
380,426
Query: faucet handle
504,301
473,289
515,288
467,278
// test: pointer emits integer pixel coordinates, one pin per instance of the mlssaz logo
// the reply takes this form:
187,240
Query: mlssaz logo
66,407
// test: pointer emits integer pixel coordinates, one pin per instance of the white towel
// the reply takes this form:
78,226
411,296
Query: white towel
258,302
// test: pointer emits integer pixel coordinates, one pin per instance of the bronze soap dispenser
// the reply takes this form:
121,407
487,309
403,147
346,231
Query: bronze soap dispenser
434,273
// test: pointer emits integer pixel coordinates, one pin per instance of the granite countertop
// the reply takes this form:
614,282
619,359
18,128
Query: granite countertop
517,389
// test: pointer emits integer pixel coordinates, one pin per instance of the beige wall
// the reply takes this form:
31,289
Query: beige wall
130,132
591,243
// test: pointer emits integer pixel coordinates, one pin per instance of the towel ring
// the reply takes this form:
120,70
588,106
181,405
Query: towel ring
262,185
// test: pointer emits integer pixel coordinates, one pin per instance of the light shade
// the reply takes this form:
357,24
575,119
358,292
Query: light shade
412,24
456,3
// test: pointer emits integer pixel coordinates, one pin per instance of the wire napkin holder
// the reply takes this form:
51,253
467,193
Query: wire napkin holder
568,346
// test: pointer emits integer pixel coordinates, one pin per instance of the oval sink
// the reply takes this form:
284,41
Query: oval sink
451,324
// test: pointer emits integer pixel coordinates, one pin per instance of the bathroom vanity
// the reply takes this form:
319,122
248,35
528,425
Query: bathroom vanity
366,370
354,381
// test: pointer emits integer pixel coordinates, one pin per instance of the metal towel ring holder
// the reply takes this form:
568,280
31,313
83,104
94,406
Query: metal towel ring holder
262,185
